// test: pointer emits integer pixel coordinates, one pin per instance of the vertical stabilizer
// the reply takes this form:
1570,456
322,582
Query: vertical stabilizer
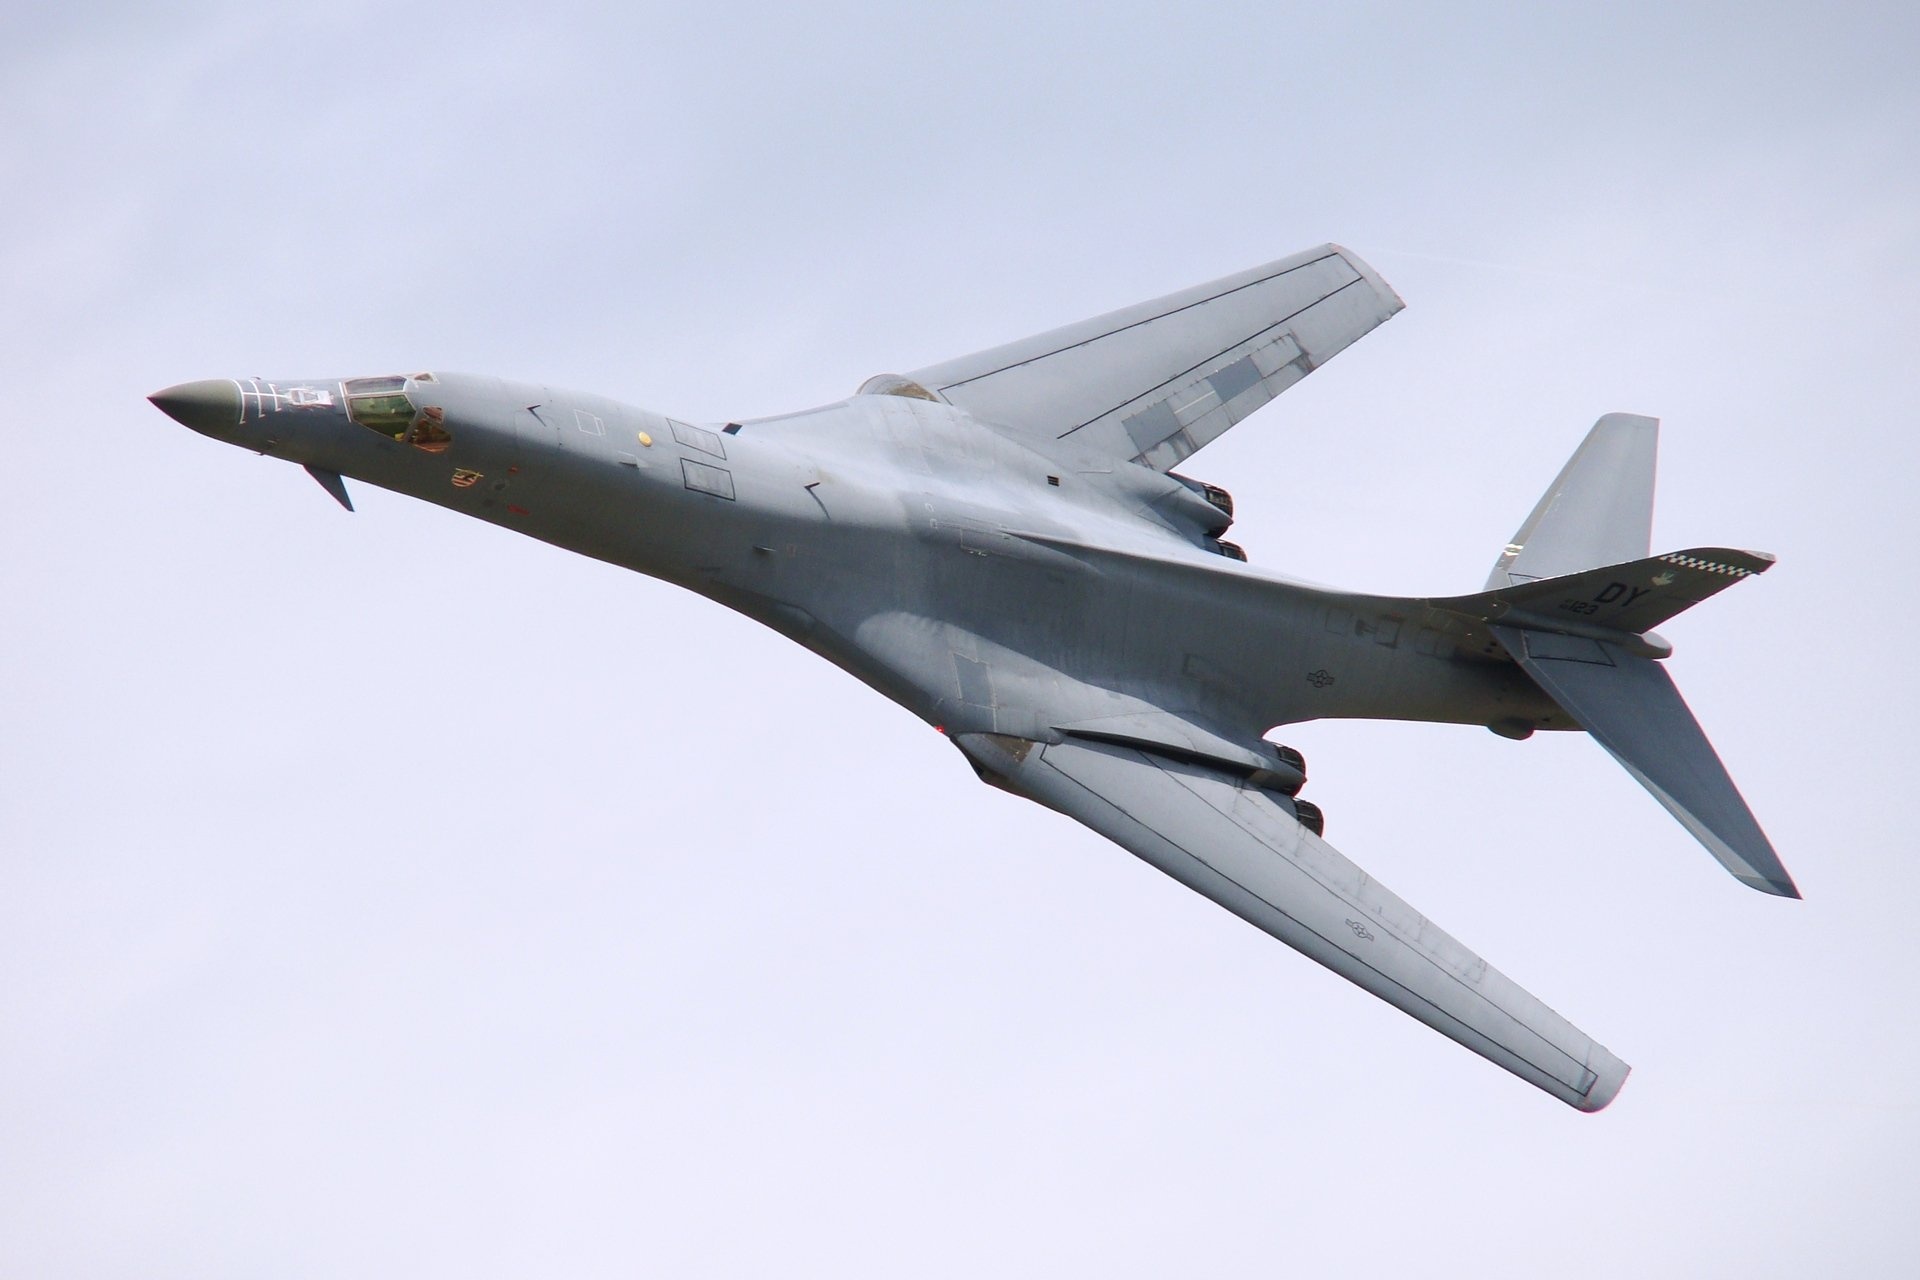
1599,510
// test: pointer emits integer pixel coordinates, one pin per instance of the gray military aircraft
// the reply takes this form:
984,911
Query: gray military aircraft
1000,544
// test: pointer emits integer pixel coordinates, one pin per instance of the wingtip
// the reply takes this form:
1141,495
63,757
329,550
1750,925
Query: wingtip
1608,1079
1781,888
1389,297
1618,421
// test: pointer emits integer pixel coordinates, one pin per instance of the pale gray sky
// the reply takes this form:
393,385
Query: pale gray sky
381,894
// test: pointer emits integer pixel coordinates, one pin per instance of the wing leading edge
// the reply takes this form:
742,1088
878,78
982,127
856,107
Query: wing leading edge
1155,381
1236,845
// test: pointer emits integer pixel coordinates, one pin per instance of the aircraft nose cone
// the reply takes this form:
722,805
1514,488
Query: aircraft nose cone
211,405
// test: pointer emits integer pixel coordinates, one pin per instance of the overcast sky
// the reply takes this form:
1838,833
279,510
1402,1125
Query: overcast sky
381,894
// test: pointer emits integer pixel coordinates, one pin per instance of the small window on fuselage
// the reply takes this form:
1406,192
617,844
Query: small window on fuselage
429,430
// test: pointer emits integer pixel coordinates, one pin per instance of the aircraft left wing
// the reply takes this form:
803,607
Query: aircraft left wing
1240,846
1153,382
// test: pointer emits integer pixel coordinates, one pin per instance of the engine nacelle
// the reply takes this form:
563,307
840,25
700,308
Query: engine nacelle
1220,498
1309,815
1287,774
1216,516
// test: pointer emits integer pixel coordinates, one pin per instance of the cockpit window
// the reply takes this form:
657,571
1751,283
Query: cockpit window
389,415
383,405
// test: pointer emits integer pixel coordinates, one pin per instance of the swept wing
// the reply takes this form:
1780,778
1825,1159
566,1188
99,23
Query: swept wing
1153,382
1241,846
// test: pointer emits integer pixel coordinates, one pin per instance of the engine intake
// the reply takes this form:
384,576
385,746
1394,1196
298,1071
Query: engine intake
1287,774
1216,517
1220,498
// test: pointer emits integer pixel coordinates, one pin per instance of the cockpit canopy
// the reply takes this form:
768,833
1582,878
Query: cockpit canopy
386,404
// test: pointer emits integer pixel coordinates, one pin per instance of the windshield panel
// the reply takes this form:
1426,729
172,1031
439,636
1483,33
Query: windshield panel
390,415
382,404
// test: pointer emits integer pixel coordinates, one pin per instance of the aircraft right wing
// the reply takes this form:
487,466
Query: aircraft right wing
1241,846
1153,382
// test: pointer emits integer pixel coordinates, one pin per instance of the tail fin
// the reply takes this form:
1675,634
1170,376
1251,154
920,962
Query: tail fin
1599,509
1582,634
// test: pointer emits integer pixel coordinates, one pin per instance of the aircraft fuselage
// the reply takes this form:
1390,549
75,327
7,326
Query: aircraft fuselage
924,551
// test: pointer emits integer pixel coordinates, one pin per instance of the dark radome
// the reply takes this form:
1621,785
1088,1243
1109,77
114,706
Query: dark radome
212,404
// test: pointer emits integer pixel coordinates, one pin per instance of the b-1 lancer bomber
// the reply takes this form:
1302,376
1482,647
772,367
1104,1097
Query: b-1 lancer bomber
1000,544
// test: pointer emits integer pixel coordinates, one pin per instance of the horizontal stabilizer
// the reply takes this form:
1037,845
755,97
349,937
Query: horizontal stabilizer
1629,705
1628,598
